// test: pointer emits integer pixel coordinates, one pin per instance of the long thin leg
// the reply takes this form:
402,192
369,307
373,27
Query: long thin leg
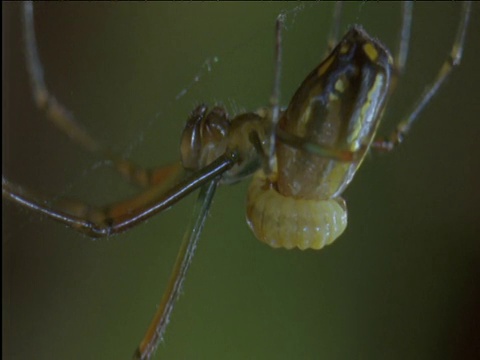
453,60
159,323
268,155
334,33
64,120
275,98
119,217
56,112
290,139
401,53
403,43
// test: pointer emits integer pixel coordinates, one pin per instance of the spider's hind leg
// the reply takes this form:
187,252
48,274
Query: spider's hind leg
453,59
65,121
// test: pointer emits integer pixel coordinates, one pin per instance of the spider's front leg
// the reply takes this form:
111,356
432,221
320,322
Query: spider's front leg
454,58
121,216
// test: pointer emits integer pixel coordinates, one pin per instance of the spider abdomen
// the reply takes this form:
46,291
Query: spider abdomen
287,222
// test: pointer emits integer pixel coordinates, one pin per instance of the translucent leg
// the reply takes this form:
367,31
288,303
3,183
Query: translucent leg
275,98
334,34
401,53
454,58
63,118
159,323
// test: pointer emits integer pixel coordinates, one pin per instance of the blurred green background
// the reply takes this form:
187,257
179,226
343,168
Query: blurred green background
402,282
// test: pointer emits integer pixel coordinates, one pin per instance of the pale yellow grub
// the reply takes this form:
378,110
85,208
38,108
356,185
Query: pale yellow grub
285,222
370,50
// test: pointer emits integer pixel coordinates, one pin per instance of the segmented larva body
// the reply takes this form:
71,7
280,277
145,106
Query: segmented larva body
287,222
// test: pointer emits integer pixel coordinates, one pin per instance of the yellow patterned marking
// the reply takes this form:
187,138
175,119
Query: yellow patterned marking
371,52
344,48
372,97
332,97
390,59
324,67
340,86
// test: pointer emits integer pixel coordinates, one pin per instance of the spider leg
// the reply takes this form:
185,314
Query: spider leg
158,325
118,217
289,139
454,58
334,33
64,119
55,111
401,53
275,98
